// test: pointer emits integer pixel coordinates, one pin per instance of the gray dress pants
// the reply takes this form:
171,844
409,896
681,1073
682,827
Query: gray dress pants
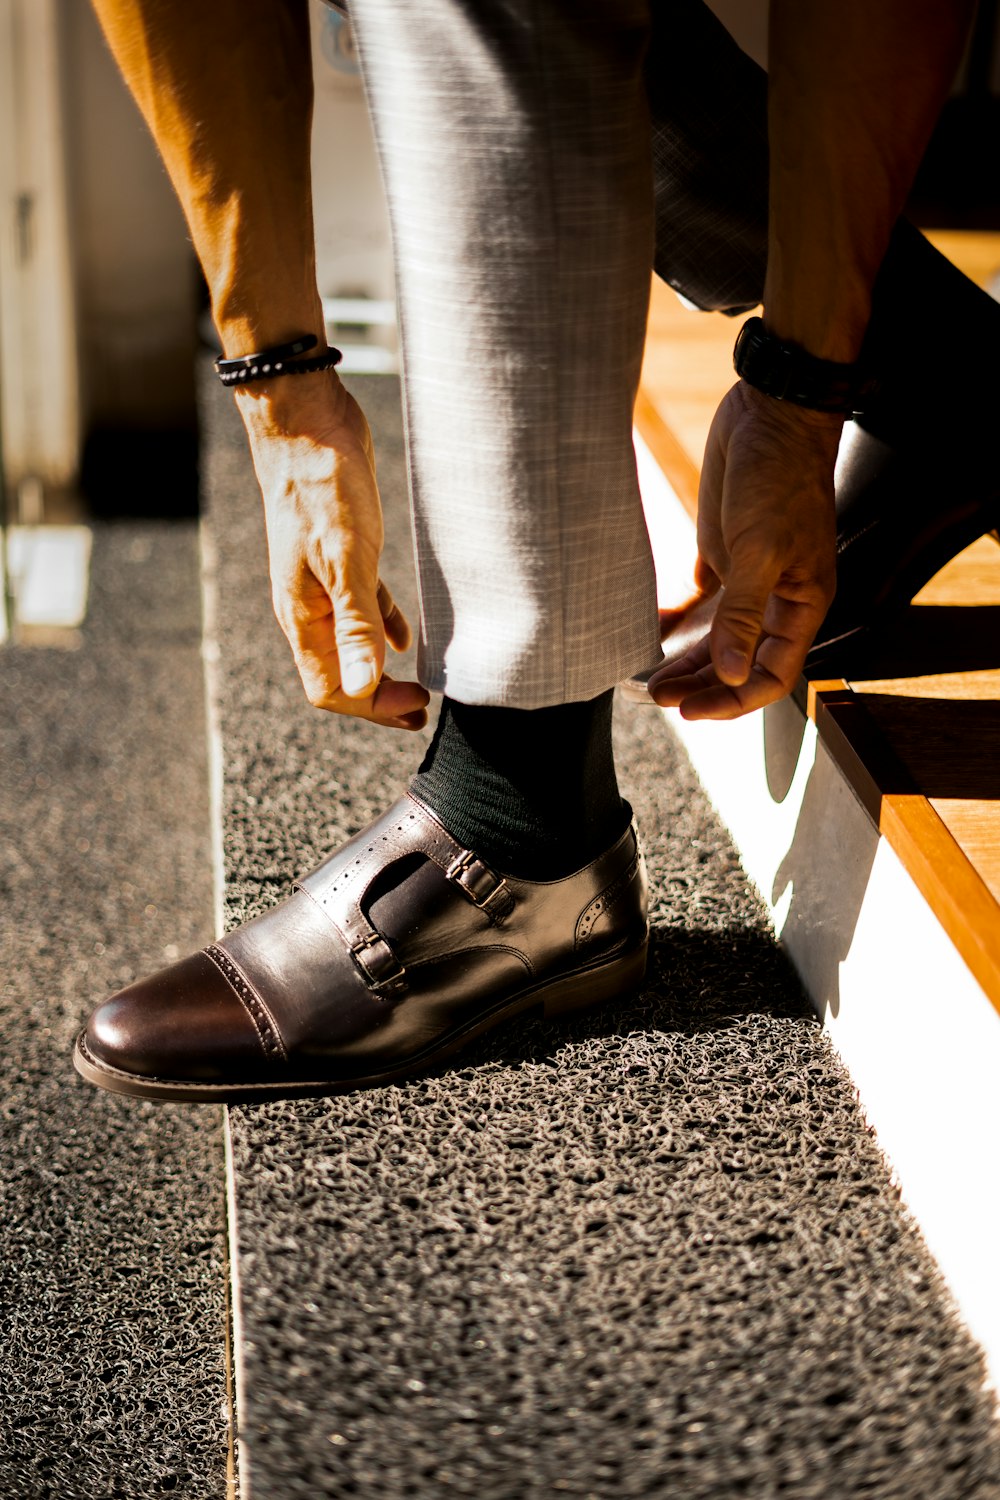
517,152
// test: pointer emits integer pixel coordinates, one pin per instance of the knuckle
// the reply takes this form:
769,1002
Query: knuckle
759,554
316,694
314,683
742,619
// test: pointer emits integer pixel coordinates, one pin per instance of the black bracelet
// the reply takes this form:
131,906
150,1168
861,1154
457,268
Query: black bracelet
789,373
279,360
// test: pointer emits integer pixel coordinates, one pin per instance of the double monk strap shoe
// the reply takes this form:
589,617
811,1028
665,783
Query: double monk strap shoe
390,956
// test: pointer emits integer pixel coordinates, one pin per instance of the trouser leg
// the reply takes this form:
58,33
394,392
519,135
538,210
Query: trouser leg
514,141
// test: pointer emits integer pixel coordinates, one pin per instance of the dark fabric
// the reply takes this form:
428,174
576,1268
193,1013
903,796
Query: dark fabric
932,344
533,791
708,107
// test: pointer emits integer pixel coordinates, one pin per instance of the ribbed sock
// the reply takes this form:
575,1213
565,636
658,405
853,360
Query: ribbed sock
533,791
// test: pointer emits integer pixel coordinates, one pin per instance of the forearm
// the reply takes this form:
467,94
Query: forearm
226,89
854,91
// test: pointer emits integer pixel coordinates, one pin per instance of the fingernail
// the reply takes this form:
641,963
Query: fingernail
357,677
734,663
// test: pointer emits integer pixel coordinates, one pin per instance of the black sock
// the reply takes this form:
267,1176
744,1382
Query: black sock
533,791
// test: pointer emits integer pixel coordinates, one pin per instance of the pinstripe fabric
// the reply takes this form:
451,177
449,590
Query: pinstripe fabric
514,142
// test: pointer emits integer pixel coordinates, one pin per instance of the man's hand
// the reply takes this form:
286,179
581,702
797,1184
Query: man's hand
233,127
766,537
853,93
313,454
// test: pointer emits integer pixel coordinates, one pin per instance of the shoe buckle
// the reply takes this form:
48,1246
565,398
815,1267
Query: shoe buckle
479,884
381,968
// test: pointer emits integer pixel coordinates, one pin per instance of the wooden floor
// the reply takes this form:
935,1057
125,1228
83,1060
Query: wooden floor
920,741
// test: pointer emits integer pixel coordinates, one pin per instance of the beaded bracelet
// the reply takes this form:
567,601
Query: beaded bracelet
268,363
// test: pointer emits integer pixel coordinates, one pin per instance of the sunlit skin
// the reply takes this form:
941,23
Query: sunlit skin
226,88
315,461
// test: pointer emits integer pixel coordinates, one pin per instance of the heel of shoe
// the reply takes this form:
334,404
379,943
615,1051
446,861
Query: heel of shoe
610,981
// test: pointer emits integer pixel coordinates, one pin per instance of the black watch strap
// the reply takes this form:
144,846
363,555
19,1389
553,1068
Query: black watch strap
789,373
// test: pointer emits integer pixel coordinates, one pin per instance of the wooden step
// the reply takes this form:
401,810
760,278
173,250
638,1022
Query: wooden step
868,814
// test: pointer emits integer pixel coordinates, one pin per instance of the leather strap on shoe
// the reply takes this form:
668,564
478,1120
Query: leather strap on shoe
380,966
481,885
340,886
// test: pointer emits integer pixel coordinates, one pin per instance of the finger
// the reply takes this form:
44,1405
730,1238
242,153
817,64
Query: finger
314,648
739,619
697,656
692,684
719,700
397,627
359,633
396,705
313,643
675,691
400,701
789,628
699,694
417,720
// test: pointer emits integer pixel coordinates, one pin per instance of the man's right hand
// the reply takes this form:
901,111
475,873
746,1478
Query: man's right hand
313,454
767,546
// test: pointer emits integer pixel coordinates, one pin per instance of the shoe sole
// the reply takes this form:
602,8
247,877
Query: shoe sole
580,991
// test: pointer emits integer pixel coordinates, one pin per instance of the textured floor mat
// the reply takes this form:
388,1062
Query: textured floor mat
112,1212
653,1252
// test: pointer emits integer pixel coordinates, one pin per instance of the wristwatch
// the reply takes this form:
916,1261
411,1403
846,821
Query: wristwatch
789,373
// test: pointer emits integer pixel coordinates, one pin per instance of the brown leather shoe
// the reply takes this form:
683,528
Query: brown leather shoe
392,954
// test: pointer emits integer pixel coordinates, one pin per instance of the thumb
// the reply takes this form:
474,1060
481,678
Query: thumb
360,635
738,623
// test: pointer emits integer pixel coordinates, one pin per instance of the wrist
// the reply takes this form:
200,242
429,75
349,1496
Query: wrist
245,336
261,315
292,404
829,325
817,431
789,373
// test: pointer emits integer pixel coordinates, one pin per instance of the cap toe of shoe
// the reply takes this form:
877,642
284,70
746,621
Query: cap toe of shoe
184,1022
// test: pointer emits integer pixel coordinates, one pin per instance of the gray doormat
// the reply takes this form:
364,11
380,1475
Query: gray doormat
653,1252
112,1212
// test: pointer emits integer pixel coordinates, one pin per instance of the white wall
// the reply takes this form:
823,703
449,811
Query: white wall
39,415
135,270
